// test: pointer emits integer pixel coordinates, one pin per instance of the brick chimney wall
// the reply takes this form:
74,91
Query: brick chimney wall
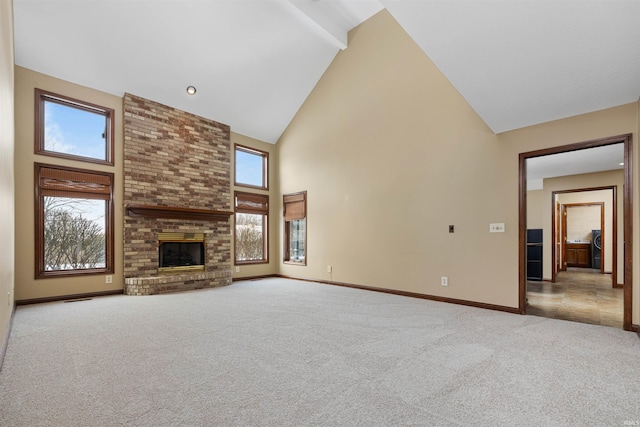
175,159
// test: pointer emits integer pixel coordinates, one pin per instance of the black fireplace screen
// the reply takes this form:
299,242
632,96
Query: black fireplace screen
179,254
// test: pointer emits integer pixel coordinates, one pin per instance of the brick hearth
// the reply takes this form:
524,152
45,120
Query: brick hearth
177,160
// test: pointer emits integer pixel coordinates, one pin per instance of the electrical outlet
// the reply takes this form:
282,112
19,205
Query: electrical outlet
496,227
8,299
237,269
108,279
329,269
444,281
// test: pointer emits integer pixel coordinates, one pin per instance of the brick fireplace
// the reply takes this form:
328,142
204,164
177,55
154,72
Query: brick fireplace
176,188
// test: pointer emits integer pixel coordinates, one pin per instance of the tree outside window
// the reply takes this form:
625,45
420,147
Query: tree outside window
74,234
74,229
251,225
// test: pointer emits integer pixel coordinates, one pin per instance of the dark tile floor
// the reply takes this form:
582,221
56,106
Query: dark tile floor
579,294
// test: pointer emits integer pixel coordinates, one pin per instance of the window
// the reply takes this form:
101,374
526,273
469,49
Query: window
73,129
74,221
295,228
251,167
251,242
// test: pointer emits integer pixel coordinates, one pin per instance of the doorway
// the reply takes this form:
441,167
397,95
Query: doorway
578,149
604,229
580,222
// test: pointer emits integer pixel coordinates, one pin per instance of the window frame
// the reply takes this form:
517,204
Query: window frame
39,243
287,227
264,211
42,96
265,166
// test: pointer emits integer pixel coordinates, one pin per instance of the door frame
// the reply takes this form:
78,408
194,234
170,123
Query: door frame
563,237
626,140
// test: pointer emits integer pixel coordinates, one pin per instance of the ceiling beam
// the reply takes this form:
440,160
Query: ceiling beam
319,15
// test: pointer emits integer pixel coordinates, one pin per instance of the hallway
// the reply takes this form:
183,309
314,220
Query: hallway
580,295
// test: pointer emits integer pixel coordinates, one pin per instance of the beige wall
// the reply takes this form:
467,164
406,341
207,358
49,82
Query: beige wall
535,213
581,220
26,286
391,155
6,170
274,237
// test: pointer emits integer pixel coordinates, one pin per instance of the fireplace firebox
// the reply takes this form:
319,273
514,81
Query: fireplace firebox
179,252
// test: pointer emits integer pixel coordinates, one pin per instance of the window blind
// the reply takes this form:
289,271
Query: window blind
56,182
252,203
295,206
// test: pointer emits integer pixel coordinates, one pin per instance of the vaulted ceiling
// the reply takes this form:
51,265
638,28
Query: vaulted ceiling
254,62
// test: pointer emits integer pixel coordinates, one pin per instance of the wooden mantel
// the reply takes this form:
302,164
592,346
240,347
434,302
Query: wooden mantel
177,213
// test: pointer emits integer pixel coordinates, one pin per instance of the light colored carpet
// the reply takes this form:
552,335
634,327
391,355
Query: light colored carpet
279,352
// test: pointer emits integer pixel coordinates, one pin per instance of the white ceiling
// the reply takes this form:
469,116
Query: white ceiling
524,62
254,62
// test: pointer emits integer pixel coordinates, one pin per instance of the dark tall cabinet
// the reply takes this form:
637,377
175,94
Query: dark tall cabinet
534,254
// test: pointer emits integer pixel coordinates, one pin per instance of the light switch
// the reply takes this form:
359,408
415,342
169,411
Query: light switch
497,227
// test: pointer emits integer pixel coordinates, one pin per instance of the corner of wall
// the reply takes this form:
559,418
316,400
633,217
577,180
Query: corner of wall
7,191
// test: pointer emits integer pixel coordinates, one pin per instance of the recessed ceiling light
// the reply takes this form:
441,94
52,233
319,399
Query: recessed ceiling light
191,90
